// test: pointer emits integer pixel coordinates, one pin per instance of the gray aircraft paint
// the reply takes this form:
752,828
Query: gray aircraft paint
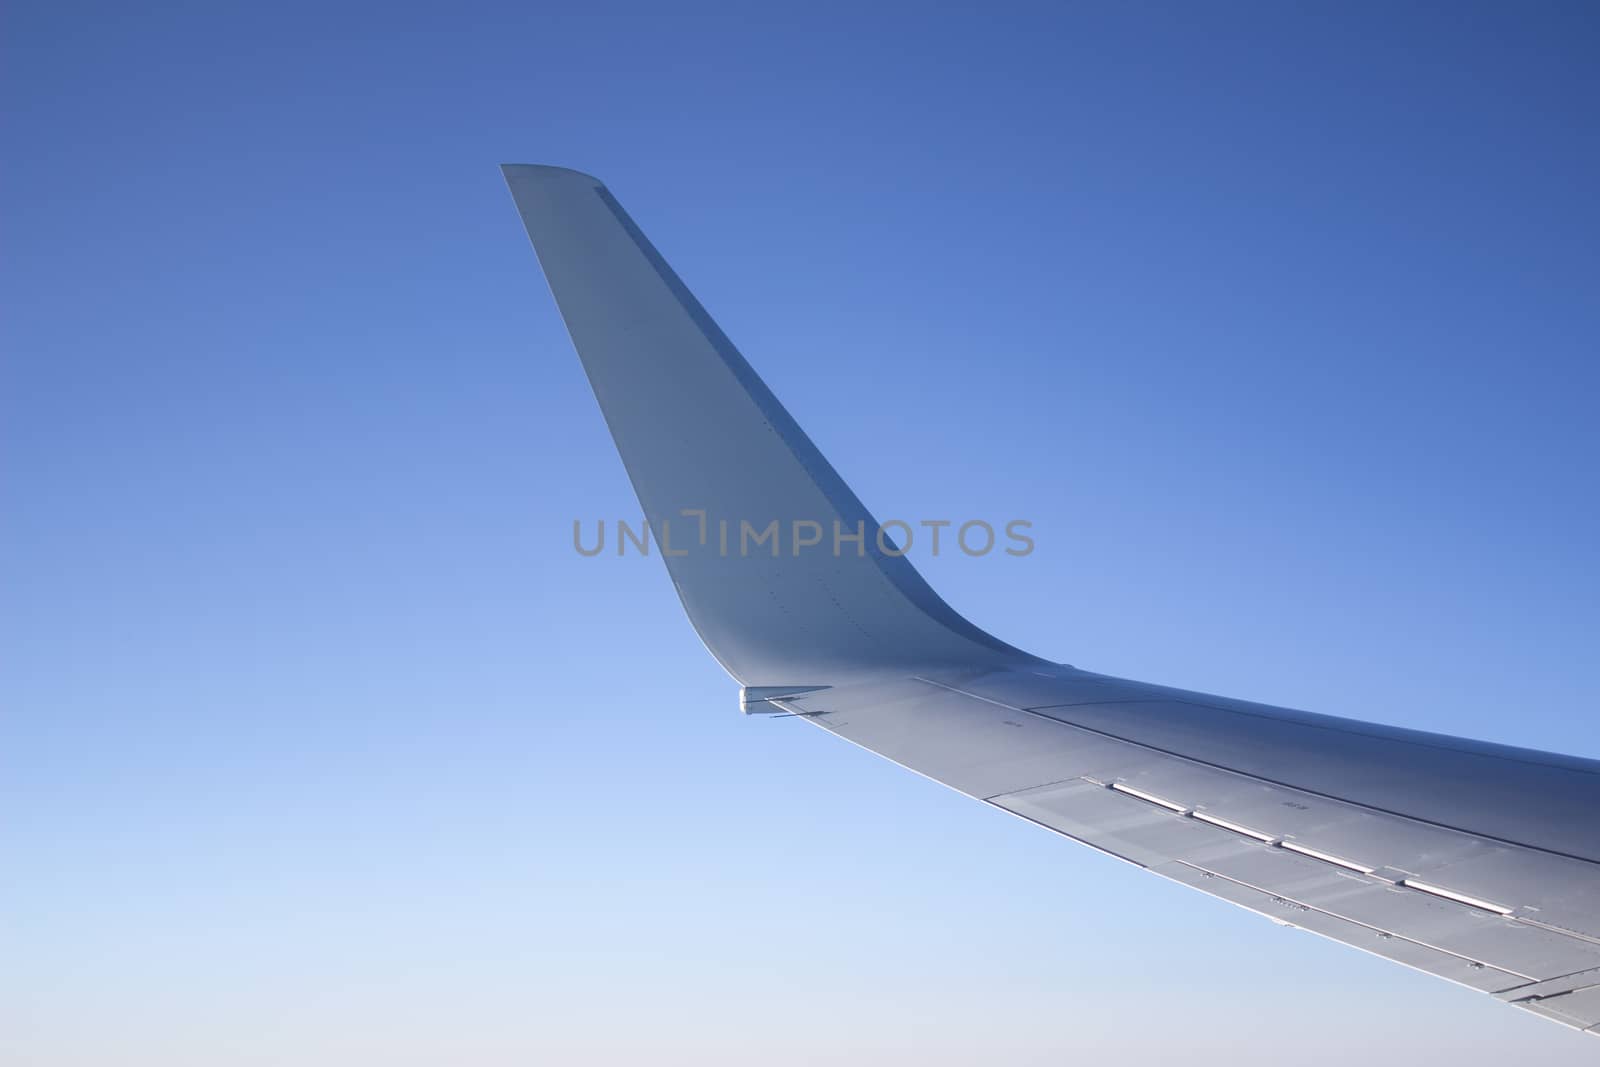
1476,862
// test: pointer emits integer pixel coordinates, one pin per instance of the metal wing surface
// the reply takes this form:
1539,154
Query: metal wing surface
1476,862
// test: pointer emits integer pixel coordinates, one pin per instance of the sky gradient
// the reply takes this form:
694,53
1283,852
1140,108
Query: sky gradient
322,746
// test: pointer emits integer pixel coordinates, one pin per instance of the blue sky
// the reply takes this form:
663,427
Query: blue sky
322,746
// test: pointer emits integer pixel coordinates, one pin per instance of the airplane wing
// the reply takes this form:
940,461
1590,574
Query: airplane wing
1476,862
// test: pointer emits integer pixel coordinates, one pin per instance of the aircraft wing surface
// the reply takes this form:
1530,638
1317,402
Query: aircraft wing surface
1476,862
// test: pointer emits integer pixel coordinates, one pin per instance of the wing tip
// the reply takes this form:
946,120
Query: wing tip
542,172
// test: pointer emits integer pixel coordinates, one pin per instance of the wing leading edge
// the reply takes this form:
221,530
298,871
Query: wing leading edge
1478,863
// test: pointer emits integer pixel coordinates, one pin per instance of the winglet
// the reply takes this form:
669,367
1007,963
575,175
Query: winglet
782,570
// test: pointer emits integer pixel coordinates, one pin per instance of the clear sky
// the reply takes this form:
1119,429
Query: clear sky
322,746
